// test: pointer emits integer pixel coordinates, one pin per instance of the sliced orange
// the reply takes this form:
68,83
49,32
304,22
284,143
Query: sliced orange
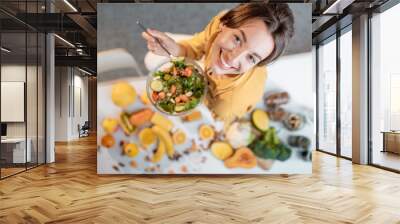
195,115
206,132
147,137
179,137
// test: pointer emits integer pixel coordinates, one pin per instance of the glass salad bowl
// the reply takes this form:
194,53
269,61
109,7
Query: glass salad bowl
176,87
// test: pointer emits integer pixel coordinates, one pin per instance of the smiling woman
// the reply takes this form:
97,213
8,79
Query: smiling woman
236,50
236,45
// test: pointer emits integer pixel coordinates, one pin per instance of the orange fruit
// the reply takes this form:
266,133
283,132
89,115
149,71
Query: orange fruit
206,132
179,137
131,149
108,141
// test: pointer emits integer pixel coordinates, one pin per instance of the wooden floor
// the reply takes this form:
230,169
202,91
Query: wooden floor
70,191
10,171
5,172
387,159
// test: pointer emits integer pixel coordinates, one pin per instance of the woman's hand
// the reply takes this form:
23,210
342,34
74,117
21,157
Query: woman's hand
166,41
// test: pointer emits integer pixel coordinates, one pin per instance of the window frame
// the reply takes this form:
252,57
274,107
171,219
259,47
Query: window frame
333,37
378,10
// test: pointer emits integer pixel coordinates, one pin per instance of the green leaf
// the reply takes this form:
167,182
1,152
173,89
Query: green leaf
171,81
167,106
179,64
191,104
159,73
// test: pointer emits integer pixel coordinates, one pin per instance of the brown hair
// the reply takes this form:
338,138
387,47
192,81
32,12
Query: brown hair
277,17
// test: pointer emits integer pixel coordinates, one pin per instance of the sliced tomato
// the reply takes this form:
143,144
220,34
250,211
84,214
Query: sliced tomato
188,71
161,95
154,96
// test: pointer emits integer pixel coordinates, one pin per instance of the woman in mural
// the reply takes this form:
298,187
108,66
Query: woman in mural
236,45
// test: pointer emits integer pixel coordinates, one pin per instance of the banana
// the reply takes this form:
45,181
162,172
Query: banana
165,137
159,153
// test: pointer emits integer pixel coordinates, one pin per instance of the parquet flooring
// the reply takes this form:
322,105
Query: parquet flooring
70,191
10,171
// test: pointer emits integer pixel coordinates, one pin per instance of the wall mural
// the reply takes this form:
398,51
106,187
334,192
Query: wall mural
225,91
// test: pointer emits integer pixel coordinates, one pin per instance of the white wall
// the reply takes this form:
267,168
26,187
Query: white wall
12,73
33,127
67,114
79,117
62,81
297,76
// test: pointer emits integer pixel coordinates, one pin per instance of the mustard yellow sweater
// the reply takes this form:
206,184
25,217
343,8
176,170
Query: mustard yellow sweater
228,98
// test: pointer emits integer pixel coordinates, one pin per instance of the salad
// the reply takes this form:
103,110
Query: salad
178,88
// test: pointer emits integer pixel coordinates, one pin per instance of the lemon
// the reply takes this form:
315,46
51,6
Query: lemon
221,150
147,137
123,94
110,125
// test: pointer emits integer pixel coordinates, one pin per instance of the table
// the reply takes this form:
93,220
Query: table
16,147
109,159
391,141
